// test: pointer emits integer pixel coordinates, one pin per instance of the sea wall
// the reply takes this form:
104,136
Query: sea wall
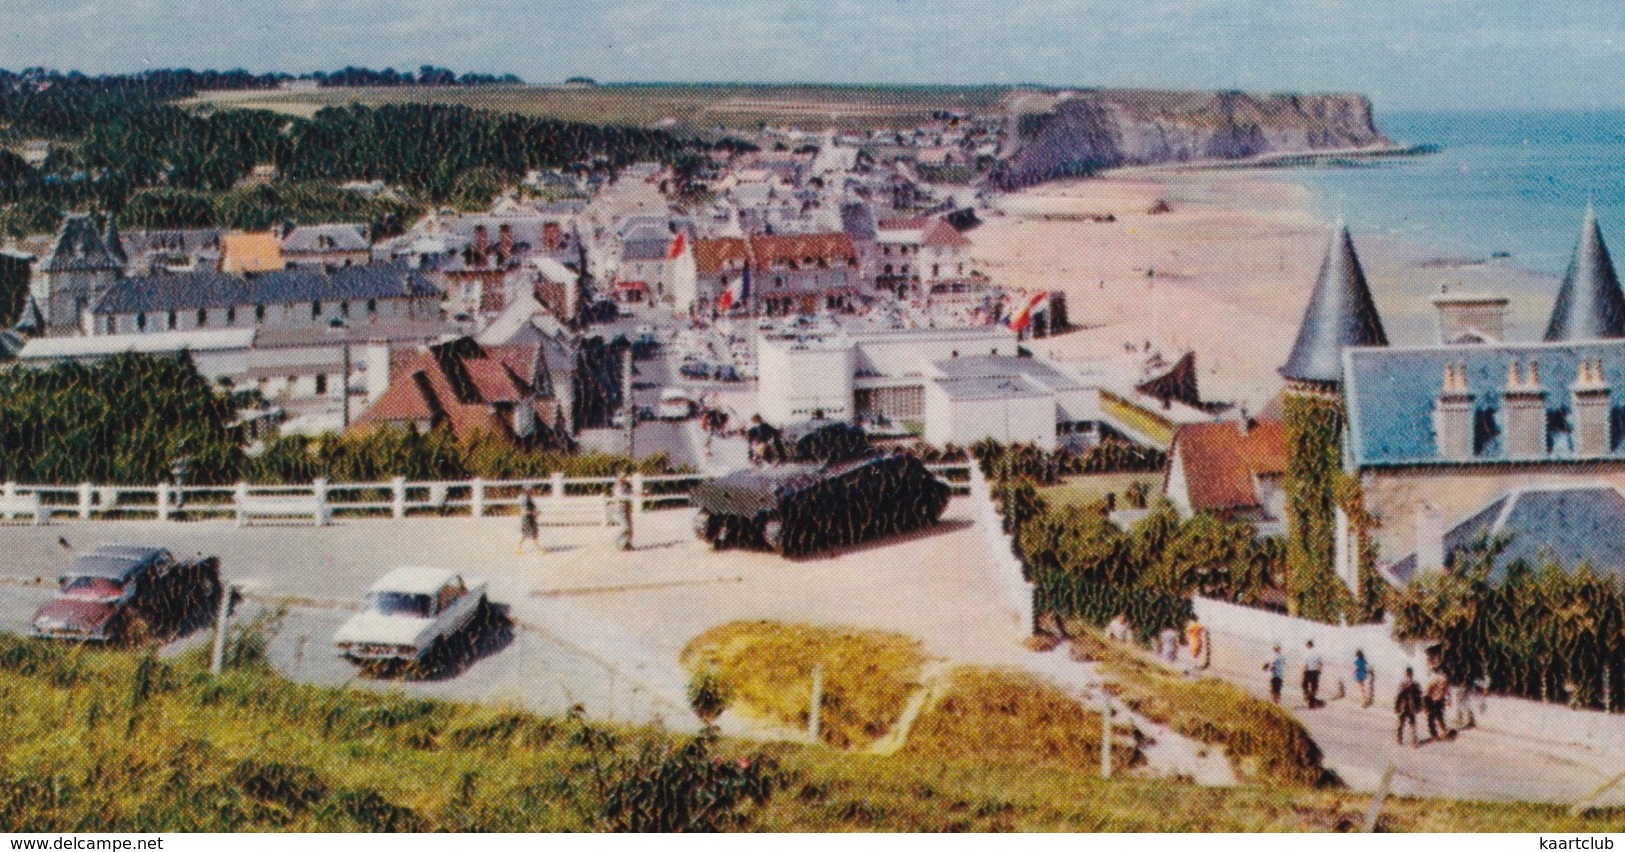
1090,131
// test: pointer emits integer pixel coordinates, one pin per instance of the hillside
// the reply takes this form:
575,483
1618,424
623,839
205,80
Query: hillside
117,741
1104,129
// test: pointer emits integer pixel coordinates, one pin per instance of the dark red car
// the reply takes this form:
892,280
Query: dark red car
120,589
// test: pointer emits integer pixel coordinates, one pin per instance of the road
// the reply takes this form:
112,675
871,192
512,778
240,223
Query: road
605,629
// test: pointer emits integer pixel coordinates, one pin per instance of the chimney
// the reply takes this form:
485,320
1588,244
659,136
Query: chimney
552,236
1429,539
482,240
1453,416
505,239
1593,411
1470,316
1525,408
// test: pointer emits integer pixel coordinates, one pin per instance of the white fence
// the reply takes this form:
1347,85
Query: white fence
395,498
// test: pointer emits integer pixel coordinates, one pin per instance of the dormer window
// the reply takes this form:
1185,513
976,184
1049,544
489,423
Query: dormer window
202,317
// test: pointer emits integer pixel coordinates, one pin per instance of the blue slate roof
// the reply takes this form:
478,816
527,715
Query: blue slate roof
80,247
1341,313
152,293
1390,395
1582,525
1590,304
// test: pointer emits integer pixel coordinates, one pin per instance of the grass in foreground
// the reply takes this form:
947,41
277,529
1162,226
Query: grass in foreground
767,666
1263,740
994,714
114,741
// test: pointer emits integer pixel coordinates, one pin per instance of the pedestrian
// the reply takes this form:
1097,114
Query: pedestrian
1407,702
1365,678
1277,670
1196,641
1434,701
529,530
1312,664
1168,644
1119,630
1464,704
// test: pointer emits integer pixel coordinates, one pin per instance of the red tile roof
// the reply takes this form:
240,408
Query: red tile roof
1221,463
713,256
943,234
424,388
796,249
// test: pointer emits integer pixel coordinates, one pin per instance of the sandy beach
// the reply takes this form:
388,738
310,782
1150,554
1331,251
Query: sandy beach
1226,272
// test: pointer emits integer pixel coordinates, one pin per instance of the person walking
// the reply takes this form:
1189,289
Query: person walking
1434,701
1407,702
1365,678
1119,630
529,530
1312,664
1277,670
1196,641
1168,645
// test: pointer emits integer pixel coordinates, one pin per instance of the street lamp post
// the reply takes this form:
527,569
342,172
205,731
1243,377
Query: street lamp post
179,468
337,324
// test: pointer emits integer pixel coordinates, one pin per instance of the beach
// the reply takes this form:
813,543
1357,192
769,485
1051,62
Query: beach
1225,272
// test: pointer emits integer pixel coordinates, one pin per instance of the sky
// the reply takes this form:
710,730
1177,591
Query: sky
1404,54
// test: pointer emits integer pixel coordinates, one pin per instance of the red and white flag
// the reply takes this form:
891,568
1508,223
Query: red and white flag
1024,317
731,295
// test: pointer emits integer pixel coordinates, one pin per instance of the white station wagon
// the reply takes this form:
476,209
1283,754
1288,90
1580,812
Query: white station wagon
410,614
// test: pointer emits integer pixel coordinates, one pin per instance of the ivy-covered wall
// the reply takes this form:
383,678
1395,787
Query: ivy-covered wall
1313,482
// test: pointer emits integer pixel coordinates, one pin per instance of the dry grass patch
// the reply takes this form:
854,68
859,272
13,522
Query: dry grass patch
1263,740
1003,715
868,674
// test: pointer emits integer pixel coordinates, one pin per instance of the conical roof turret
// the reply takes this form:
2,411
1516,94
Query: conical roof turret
1590,305
115,243
1341,313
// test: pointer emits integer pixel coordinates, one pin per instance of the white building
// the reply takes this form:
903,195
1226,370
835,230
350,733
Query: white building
951,386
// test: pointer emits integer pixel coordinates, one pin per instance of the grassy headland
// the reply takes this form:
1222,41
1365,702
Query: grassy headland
117,741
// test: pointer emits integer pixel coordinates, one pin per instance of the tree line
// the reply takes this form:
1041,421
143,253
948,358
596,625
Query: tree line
114,139
126,420
1534,630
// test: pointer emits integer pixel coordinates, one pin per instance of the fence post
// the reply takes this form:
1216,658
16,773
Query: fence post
813,720
558,483
476,497
399,485
637,492
84,501
162,492
319,486
217,656
1105,734
240,496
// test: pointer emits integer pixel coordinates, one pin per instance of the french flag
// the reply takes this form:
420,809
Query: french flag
735,293
1024,317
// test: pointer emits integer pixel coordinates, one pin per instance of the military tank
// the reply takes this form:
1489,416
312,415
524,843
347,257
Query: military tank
824,485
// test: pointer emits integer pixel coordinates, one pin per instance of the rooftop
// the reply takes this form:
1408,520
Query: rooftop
1569,526
1341,313
216,289
161,342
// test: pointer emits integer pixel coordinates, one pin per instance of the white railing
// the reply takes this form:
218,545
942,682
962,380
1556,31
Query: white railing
394,498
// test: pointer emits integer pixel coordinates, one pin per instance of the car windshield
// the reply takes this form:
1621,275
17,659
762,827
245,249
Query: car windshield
92,588
399,603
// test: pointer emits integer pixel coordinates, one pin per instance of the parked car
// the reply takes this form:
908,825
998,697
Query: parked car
410,615
124,591
676,404
695,369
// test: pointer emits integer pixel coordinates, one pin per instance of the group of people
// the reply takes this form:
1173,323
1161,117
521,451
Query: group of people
1411,699
1314,663
1194,638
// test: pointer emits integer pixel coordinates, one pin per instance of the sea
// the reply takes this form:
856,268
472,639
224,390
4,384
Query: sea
1511,185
